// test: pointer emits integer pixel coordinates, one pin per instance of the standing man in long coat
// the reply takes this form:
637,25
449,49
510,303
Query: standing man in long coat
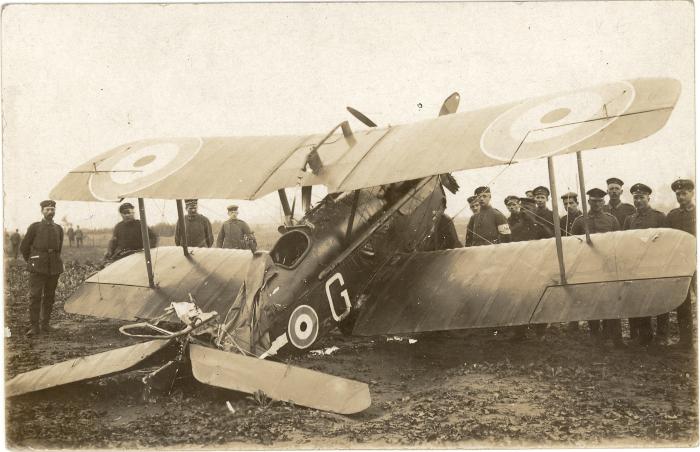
235,233
198,228
41,249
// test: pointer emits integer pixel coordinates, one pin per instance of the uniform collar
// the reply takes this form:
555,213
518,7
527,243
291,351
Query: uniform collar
688,209
615,206
45,221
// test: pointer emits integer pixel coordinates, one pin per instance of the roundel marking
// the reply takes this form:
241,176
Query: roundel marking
302,327
545,126
139,165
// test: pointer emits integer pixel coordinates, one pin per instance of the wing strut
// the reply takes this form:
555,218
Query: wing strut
579,162
285,206
557,228
146,243
182,228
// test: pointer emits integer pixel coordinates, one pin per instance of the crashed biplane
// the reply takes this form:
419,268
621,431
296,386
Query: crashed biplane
363,259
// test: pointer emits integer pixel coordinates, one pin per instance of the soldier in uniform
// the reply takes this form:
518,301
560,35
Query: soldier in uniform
41,249
489,226
615,206
544,216
198,228
521,222
235,233
126,237
71,236
529,194
570,201
15,240
644,217
599,222
683,218
474,207
78,236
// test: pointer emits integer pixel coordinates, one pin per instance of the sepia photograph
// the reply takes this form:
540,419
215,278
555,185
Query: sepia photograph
375,225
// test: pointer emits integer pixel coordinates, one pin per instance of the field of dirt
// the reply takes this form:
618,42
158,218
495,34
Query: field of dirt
456,389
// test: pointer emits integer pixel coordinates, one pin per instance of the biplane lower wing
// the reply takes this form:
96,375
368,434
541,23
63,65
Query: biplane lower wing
83,368
120,291
621,275
279,381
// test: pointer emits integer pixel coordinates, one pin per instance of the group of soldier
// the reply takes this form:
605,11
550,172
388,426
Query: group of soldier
531,219
42,244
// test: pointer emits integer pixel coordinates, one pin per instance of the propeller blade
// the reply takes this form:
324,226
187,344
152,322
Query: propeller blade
85,368
278,381
450,105
360,117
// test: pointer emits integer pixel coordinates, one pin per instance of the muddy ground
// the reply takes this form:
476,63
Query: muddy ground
456,389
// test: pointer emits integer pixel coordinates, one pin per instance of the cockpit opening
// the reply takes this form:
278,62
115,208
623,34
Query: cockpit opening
290,249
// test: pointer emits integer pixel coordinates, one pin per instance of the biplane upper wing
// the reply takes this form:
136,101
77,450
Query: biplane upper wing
250,167
121,291
623,274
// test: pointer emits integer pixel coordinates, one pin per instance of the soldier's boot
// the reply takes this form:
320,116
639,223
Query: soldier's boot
685,323
662,322
46,318
34,312
573,327
646,334
594,328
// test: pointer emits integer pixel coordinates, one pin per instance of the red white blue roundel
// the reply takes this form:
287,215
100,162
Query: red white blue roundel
302,328
545,126
139,165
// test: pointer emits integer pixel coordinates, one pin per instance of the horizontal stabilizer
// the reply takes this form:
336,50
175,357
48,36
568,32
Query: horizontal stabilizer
278,381
84,368
622,274
120,291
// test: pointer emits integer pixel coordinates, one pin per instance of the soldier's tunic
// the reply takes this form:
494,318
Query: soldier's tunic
233,234
545,217
600,222
198,229
567,222
523,227
641,326
620,211
597,223
684,220
41,249
127,237
486,227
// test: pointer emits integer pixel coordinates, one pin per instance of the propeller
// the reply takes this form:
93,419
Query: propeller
360,117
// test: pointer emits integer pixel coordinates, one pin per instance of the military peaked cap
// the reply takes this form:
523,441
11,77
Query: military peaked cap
540,190
480,190
191,202
47,203
126,206
528,201
596,193
570,195
683,184
640,189
232,207
472,199
511,198
615,180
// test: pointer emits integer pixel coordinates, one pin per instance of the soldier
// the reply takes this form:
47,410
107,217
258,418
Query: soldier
529,194
489,226
599,222
645,217
235,233
521,221
544,216
41,249
15,239
615,206
126,237
570,201
198,228
683,218
79,236
475,208
71,236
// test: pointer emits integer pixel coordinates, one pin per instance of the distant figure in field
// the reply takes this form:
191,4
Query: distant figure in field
78,236
15,239
71,236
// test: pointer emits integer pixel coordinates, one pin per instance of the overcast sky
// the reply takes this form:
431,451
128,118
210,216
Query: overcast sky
80,79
